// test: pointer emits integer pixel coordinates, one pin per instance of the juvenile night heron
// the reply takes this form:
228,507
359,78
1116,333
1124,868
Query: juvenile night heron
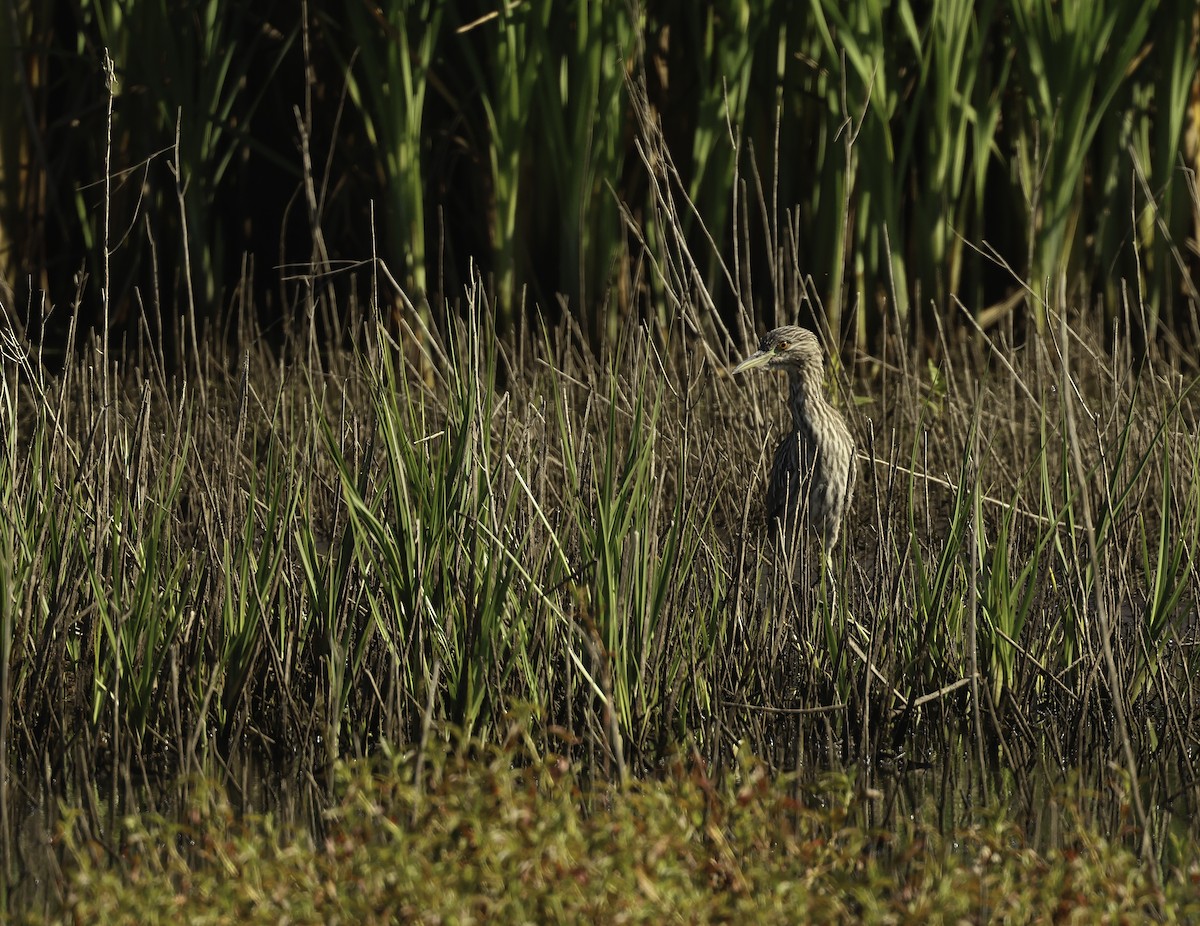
812,478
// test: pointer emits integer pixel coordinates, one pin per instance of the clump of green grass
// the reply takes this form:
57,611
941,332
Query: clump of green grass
500,838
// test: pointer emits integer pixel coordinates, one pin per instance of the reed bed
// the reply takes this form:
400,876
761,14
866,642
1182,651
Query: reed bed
434,509
904,153
260,568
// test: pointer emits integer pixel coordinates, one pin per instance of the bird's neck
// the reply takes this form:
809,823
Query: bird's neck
805,391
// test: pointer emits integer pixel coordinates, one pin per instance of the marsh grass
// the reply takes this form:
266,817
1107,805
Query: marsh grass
431,539
260,563
293,566
921,146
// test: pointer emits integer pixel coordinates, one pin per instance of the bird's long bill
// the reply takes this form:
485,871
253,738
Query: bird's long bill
754,361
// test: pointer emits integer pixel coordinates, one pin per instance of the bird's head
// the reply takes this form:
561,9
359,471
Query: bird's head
787,348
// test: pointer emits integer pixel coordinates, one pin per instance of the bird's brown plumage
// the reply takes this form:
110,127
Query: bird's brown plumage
812,476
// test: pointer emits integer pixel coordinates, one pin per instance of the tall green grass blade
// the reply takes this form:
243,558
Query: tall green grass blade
395,44
1074,56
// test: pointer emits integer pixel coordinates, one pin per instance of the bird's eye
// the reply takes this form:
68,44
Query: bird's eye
782,345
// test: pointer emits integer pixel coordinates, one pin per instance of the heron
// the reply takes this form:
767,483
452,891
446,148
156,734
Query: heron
812,476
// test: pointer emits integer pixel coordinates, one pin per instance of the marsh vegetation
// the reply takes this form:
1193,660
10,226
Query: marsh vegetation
337,564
